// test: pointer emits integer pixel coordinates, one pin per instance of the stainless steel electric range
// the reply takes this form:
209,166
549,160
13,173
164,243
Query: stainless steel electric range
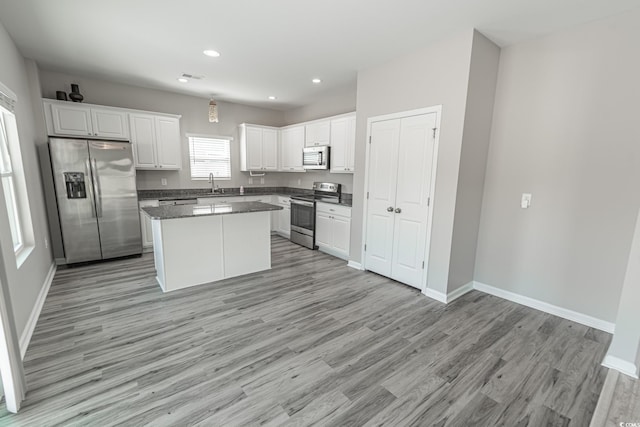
303,212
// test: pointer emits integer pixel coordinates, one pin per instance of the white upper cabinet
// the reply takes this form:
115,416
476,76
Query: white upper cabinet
258,148
73,119
168,142
143,138
318,133
343,144
109,123
291,145
265,148
156,141
270,149
155,136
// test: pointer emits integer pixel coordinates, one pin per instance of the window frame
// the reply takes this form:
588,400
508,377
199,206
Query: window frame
226,139
13,179
7,175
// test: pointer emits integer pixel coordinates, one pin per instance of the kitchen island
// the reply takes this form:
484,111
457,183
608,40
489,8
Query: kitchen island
197,244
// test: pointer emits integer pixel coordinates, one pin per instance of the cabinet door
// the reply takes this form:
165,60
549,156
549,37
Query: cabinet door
169,150
147,232
342,144
109,123
351,144
270,149
254,148
284,220
341,234
143,138
71,120
291,145
318,133
323,230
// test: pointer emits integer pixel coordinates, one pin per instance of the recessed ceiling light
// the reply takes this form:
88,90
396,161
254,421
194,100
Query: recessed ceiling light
316,81
273,98
182,80
211,53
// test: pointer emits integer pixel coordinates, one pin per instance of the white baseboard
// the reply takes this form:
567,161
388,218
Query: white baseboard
620,365
451,296
438,296
25,338
574,316
355,265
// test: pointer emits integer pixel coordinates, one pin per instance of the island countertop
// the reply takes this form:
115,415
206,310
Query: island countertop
187,211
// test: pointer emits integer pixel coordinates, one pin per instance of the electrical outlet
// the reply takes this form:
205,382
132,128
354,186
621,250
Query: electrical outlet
163,181
261,180
250,180
525,201
46,243
299,181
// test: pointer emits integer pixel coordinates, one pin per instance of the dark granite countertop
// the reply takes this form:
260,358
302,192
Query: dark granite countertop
183,194
186,211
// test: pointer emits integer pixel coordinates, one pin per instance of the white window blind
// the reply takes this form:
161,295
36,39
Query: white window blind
209,155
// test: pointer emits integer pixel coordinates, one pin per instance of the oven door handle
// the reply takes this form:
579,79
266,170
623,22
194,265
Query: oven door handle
300,202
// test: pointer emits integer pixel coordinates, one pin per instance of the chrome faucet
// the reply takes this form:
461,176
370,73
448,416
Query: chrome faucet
212,182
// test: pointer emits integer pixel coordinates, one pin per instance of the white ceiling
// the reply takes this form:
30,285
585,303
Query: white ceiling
268,47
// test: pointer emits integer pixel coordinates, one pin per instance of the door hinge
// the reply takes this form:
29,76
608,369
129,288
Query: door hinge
365,248
367,194
423,265
369,139
428,201
434,132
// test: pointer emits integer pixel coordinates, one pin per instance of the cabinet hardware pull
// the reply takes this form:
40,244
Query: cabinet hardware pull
390,209
398,210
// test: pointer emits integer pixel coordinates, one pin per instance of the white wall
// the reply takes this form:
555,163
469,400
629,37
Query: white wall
327,103
565,129
435,75
26,282
194,113
625,345
483,74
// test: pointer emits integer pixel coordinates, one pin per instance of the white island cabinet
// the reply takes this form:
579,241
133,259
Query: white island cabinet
198,244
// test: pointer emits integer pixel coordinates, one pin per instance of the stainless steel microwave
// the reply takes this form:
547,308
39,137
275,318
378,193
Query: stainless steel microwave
315,157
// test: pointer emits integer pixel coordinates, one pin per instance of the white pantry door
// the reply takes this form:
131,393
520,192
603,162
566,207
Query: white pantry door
415,161
400,169
381,194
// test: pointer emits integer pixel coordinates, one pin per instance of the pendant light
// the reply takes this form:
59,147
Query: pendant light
213,111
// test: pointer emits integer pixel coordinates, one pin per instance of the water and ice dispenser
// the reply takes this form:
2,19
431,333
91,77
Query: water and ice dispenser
74,182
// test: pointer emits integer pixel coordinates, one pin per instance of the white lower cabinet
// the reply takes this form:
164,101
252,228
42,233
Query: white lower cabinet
145,225
282,219
333,229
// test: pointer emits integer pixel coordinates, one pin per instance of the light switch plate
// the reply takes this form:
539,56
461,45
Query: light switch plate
525,202
163,181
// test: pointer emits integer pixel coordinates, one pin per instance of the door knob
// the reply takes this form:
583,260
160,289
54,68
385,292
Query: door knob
398,210
390,209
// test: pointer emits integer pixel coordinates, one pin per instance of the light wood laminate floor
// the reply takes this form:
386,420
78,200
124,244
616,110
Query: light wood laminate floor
310,342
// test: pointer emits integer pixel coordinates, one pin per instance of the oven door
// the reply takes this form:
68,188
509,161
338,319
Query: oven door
303,223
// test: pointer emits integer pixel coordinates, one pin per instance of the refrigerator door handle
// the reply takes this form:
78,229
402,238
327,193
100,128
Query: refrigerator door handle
96,188
94,213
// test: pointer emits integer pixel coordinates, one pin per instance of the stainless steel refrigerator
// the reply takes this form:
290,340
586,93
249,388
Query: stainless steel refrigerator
97,200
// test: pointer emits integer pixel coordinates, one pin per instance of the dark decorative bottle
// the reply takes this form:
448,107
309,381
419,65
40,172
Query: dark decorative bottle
75,94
